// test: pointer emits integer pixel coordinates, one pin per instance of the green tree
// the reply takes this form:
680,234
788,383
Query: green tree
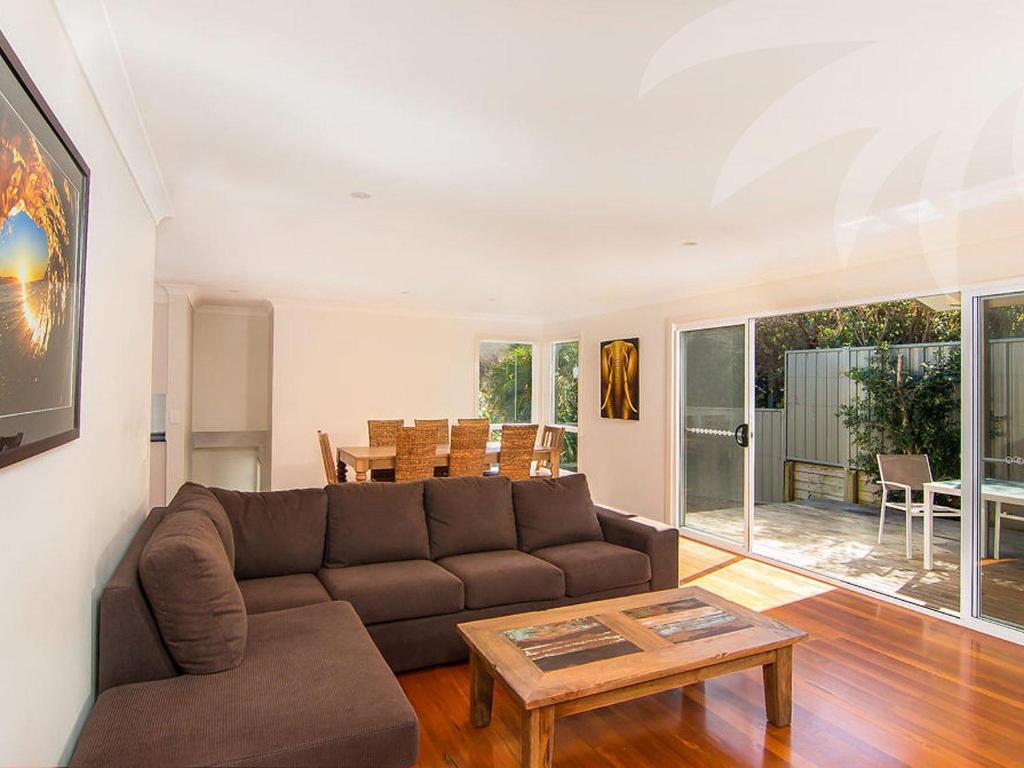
506,382
566,395
900,412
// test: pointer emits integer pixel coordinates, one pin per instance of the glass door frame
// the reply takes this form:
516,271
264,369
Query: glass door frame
971,449
675,452
972,296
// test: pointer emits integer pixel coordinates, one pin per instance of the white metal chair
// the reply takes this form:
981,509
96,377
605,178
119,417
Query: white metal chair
907,473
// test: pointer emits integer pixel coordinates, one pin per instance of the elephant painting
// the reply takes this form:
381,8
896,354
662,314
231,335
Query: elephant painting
620,379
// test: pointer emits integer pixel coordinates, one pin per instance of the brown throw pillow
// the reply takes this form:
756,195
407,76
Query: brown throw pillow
195,598
469,514
553,512
277,533
375,523
198,497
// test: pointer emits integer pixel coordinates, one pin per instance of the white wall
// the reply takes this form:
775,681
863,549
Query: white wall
180,323
66,515
627,463
231,369
335,368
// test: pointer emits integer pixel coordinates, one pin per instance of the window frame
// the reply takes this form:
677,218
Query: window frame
549,391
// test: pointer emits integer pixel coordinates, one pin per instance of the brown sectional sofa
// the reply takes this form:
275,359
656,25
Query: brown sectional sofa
343,587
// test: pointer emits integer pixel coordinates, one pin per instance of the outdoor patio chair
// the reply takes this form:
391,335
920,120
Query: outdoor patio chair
906,472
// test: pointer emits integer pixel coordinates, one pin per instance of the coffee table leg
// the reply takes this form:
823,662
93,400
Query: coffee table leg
778,687
538,737
481,692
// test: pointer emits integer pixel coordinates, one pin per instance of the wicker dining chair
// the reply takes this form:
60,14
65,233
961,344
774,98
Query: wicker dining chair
517,444
475,422
440,427
383,432
442,437
330,467
550,437
415,452
468,450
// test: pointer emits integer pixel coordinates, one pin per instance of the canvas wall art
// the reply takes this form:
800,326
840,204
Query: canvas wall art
44,193
620,379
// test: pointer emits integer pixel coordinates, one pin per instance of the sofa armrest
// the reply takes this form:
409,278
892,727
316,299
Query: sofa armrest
658,541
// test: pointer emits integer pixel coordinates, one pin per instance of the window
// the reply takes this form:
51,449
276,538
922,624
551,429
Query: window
506,382
565,375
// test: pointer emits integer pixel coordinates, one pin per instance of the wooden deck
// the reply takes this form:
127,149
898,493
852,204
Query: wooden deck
840,541
875,685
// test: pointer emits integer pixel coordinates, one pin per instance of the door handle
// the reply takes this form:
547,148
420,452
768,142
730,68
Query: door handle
742,435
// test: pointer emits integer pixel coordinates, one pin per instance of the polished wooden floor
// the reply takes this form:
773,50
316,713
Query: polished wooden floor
875,685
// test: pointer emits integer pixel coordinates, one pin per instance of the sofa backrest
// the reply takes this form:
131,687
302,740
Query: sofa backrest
129,646
276,533
469,514
375,523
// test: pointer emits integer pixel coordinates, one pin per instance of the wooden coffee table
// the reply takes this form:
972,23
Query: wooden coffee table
568,660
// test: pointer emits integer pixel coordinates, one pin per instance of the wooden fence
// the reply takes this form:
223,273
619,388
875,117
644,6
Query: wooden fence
818,386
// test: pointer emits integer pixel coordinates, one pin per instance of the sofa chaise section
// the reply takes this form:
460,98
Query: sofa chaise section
312,690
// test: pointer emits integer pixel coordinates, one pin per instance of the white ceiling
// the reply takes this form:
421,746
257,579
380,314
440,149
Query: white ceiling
550,159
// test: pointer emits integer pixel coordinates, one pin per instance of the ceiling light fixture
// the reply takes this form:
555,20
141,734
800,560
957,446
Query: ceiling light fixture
690,243
361,195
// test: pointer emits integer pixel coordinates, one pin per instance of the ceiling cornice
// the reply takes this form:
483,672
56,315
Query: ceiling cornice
92,37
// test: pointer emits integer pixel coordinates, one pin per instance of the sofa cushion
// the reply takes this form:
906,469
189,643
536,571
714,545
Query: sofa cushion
593,566
375,523
312,691
405,589
276,593
195,496
469,514
195,598
552,512
277,532
505,576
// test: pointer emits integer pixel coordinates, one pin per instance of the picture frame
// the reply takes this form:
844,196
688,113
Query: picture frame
620,379
44,214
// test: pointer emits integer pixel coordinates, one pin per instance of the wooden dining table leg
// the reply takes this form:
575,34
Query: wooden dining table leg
556,460
362,469
538,737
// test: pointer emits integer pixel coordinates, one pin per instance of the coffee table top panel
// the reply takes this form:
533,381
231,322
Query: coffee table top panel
561,654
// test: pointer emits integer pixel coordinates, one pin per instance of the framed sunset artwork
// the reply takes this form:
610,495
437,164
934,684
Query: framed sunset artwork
44,200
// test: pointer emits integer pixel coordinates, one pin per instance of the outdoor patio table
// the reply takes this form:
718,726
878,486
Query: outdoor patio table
997,491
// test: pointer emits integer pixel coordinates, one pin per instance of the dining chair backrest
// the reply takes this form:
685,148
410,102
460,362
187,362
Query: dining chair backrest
475,422
517,444
440,427
384,431
912,469
330,467
415,451
469,450
551,437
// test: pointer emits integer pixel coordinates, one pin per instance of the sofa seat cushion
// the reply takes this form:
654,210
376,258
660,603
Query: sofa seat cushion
405,589
593,566
276,532
312,690
504,577
277,593
375,523
552,512
195,599
469,514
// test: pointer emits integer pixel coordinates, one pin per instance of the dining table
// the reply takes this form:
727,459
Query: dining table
363,458
997,492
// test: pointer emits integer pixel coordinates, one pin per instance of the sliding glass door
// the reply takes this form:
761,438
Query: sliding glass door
713,431
999,488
